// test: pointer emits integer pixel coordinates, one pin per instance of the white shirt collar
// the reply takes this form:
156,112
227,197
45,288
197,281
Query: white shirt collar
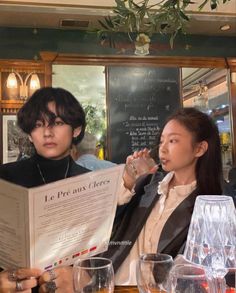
181,190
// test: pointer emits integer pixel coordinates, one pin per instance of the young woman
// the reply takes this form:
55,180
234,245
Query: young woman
52,118
158,216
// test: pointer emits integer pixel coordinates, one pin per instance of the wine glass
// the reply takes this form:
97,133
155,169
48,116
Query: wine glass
188,278
152,272
93,274
211,240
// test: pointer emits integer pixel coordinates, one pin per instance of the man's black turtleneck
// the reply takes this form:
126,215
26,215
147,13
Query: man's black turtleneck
27,172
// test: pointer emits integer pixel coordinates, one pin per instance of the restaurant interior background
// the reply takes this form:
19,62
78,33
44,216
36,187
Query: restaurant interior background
207,62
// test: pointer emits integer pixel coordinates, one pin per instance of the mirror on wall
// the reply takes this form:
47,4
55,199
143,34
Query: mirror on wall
207,90
87,84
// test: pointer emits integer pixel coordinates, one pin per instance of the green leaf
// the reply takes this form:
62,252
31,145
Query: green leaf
200,7
103,25
109,22
187,2
184,16
135,5
120,3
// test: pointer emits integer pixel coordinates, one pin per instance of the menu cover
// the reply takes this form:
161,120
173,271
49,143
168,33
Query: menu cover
54,224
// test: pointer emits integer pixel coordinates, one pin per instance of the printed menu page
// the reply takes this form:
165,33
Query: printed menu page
57,223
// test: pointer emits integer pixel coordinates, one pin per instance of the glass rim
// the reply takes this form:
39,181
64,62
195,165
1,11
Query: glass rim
168,258
215,197
189,276
109,263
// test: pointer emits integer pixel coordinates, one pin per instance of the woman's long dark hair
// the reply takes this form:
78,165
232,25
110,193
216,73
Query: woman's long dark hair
209,166
67,108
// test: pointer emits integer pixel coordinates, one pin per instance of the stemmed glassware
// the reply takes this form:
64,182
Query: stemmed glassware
152,272
188,278
93,275
211,240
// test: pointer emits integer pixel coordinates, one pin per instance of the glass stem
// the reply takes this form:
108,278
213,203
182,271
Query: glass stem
219,285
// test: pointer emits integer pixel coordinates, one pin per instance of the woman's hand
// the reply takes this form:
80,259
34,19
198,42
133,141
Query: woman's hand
137,164
19,280
58,280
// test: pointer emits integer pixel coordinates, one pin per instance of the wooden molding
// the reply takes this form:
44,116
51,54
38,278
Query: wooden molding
48,56
21,65
232,64
10,106
165,61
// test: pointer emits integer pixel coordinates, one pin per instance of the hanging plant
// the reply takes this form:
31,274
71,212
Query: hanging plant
164,16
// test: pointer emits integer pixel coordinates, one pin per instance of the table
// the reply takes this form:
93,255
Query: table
126,289
134,289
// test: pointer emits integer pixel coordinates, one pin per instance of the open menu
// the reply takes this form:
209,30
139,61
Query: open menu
54,224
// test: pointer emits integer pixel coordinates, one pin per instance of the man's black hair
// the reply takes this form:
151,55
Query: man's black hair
67,106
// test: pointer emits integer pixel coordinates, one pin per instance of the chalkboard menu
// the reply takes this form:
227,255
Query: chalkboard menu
139,101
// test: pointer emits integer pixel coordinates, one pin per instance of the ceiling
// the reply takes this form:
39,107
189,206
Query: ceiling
50,13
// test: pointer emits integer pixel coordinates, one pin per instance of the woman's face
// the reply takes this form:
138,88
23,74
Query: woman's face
177,151
53,141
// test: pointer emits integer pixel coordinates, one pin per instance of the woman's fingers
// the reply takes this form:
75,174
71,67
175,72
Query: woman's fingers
138,154
129,159
153,169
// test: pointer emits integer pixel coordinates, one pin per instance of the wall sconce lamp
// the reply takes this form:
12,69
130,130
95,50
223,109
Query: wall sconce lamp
12,83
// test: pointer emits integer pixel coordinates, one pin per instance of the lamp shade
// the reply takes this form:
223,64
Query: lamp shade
12,81
34,82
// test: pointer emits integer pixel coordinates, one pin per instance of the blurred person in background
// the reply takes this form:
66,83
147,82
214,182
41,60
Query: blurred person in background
84,154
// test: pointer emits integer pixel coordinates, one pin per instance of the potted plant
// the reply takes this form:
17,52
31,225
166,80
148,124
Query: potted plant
164,16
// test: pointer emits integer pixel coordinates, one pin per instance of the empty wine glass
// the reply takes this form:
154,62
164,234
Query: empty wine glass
152,272
188,278
93,274
211,240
